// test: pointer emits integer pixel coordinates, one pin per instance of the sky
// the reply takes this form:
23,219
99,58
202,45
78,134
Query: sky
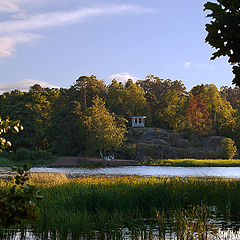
53,42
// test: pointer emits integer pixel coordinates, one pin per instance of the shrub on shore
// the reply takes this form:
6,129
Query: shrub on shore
26,155
229,150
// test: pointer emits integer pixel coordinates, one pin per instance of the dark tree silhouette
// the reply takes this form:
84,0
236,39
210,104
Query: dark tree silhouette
224,32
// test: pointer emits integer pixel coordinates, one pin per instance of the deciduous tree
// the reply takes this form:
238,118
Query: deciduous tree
231,94
88,87
221,113
66,132
173,110
104,131
33,109
134,100
224,32
197,114
115,97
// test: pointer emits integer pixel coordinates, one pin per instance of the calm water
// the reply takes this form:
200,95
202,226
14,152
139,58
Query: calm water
216,230
228,172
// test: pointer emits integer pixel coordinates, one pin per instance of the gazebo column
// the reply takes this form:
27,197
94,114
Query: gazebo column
138,121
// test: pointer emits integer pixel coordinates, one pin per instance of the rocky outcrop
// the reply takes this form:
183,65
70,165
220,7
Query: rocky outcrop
164,144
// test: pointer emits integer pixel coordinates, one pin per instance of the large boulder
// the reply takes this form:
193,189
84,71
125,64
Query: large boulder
165,144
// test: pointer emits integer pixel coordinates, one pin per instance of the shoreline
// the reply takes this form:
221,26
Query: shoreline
6,174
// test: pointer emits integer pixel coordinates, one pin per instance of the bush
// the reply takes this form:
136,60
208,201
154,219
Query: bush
22,154
228,148
150,161
4,154
128,152
41,154
26,155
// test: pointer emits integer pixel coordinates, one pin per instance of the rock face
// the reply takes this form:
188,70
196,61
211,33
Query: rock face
164,144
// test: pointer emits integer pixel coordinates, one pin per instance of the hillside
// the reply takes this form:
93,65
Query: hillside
164,144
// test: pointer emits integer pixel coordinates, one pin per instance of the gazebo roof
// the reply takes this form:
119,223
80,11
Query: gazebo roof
138,117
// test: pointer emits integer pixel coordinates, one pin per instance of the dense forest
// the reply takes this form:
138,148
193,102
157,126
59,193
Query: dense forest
90,116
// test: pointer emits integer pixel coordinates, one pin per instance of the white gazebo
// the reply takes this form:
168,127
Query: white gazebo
138,121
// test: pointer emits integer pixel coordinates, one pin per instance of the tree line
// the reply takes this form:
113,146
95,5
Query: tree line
90,116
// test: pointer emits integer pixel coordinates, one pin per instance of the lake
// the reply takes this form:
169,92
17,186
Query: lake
216,229
158,171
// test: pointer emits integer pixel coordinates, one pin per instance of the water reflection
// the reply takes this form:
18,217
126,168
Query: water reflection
228,172
152,234
217,230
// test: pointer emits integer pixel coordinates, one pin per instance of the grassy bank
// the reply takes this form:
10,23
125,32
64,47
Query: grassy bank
195,162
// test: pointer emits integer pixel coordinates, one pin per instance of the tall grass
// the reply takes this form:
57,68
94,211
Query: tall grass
101,207
195,162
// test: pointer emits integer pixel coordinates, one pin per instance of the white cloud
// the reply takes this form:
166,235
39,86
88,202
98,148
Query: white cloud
11,6
31,4
62,18
208,66
13,31
23,85
122,77
24,37
7,46
204,66
8,6
187,64
8,43
20,15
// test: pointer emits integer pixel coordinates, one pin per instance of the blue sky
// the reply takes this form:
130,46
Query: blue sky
53,42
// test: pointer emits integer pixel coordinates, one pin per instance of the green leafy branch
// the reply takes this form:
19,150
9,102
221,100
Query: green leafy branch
224,32
18,204
7,126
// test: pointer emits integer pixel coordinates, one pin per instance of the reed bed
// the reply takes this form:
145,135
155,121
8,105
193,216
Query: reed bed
195,162
126,193
113,207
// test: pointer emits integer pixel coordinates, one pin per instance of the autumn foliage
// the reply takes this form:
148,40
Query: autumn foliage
197,115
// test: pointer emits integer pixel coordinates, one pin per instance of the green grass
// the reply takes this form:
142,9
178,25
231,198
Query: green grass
107,204
195,162
126,194
103,205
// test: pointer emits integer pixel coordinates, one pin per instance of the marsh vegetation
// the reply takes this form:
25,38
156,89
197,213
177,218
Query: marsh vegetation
194,162
132,208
